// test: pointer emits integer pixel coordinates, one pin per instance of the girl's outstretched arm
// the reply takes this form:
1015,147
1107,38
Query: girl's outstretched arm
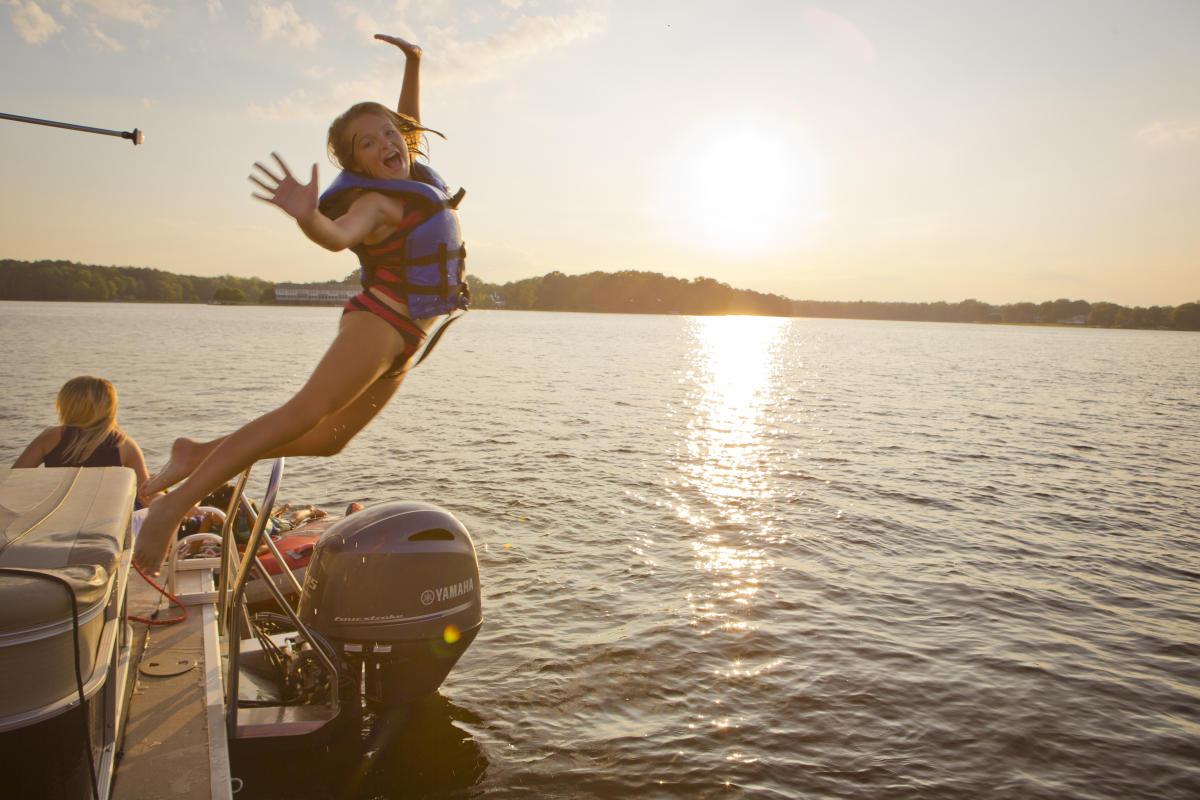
299,200
410,89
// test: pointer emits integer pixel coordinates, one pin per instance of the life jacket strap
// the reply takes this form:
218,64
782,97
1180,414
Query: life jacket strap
442,256
432,340
449,203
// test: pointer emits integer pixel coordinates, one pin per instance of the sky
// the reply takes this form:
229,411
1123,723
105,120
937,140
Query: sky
892,150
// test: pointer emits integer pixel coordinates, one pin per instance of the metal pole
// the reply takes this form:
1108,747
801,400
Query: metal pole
137,136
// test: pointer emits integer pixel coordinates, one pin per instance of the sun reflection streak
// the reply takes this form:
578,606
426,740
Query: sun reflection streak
724,489
736,361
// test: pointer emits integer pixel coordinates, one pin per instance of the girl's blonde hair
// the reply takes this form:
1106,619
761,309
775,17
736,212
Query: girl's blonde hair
90,404
339,144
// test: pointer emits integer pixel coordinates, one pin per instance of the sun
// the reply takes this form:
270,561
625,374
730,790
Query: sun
741,186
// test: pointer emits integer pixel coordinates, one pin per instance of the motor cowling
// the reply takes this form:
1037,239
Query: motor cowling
396,587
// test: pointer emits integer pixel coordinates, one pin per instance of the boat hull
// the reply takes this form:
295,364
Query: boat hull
65,548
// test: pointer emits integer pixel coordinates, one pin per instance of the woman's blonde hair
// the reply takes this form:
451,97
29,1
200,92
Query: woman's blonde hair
90,404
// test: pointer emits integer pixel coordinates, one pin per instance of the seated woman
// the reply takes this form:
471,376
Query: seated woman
89,435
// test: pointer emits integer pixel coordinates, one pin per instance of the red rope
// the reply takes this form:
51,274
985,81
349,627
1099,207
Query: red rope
165,593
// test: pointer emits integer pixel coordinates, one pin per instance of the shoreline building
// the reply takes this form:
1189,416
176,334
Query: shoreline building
330,293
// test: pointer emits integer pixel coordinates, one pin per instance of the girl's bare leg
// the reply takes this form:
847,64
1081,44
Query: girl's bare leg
364,347
410,89
334,433
186,455
327,439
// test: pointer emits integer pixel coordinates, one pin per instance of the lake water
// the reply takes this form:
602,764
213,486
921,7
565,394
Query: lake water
743,557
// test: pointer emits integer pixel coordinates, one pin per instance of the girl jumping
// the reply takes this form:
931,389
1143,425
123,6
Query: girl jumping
380,329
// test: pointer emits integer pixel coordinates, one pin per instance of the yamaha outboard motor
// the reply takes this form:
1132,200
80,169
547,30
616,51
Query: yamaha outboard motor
395,589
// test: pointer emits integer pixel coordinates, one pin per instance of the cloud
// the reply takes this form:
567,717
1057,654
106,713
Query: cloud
1169,133
105,41
367,24
448,57
358,19
139,12
452,60
282,21
33,24
296,106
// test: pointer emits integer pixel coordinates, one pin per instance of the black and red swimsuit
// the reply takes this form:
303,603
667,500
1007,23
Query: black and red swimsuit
377,262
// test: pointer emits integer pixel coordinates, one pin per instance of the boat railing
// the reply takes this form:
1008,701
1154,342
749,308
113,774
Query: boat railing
233,614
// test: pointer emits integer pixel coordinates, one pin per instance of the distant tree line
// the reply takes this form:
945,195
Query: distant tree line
1062,311
66,280
651,293
628,291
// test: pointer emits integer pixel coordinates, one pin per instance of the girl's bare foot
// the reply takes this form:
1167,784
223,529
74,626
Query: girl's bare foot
157,532
186,455
410,50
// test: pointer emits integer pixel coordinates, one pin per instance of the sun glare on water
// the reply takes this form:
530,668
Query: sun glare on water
742,186
736,361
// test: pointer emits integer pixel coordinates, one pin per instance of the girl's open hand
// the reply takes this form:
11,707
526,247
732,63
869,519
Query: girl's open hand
298,199
410,50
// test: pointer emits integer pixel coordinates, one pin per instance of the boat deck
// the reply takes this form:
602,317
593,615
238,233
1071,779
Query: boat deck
175,744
